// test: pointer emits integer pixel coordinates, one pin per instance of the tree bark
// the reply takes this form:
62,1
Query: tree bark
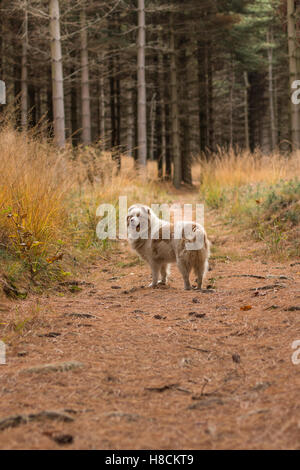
130,122
24,72
210,115
57,75
85,87
258,110
246,111
49,105
186,99
271,94
118,115
161,116
74,109
32,105
202,84
231,97
102,104
152,126
177,176
115,113
141,85
292,48
112,104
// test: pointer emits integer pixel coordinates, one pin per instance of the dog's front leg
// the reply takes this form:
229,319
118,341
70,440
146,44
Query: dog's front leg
155,274
164,271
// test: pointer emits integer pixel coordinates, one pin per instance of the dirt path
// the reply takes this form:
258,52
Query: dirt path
160,369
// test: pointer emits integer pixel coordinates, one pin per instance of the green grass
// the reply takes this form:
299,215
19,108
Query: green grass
270,212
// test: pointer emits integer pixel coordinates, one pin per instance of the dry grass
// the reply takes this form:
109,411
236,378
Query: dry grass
40,185
32,187
256,192
231,169
48,198
105,187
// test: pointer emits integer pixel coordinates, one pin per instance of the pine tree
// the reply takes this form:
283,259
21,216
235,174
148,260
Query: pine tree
57,75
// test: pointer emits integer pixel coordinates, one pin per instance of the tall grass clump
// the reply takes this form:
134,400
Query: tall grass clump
49,198
33,186
227,171
260,192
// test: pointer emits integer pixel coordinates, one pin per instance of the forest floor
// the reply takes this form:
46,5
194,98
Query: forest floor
137,368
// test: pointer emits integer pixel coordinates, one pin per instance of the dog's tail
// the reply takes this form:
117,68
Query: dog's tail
198,238
207,245
201,257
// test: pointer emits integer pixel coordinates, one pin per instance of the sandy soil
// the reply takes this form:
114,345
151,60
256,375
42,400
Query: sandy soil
163,368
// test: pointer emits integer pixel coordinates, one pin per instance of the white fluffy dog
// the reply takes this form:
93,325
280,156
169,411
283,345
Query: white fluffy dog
160,243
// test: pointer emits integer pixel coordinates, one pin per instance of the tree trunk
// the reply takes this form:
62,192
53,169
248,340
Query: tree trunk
24,72
210,116
161,115
186,100
271,93
168,128
231,103
158,156
74,111
141,85
246,111
202,81
258,110
135,105
130,123
114,114
118,116
177,176
102,104
152,126
38,104
49,106
85,87
292,48
112,104
57,75
32,105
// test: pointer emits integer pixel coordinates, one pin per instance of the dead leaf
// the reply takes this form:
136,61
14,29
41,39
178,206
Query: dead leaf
55,258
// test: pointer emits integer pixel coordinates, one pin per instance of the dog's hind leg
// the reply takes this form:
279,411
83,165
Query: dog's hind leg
200,271
155,269
185,271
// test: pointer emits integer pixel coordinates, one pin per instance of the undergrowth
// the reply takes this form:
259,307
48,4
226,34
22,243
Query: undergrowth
258,194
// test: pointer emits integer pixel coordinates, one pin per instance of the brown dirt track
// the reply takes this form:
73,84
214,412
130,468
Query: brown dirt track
156,375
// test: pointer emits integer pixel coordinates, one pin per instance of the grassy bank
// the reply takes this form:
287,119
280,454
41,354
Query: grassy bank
257,192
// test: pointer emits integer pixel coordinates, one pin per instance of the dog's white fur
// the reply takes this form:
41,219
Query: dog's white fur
145,235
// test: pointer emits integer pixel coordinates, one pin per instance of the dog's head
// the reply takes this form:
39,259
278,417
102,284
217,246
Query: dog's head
138,220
